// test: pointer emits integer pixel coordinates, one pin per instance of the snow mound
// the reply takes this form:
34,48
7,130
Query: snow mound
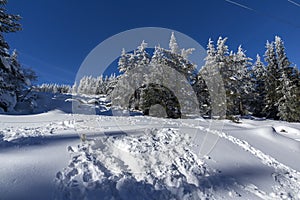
155,165
288,132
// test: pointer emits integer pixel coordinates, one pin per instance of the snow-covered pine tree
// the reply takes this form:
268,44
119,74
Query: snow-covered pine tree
225,62
172,59
82,85
204,77
173,44
221,58
123,61
233,68
288,109
139,58
9,23
95,85
110,84
176,60
258,78
135,65
139,79
242,82
157,59
222,53
272,82
296,92
74,88
132,66
12,77
143,57
26,76
99,85
203,97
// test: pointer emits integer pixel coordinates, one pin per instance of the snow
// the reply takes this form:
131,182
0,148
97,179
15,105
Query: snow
8,100
44,156
5,63
287,131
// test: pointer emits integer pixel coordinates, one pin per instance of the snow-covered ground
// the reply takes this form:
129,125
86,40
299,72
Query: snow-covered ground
62,155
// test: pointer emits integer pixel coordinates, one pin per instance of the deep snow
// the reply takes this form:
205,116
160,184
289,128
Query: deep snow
62,155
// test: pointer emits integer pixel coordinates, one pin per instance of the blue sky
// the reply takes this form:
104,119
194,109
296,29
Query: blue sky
58,34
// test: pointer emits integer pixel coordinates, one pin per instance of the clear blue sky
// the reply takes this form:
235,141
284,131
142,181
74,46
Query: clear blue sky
58,34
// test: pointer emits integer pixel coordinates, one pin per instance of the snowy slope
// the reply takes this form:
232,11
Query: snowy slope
137,157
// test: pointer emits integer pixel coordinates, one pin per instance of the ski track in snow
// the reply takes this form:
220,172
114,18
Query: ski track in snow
287,177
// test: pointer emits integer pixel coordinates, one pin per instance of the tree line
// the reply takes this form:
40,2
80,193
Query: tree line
87,85
264,89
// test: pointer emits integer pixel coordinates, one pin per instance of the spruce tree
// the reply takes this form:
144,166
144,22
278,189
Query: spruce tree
258,78
211,73
74,88
287,90
173,44
147,74
123,61
13,78
272,82
242,82
9,23
205,76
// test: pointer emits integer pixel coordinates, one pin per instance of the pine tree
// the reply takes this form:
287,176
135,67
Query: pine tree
110,84
19,78
136,67
226,66
165,57
123,61
288,109
176,67
203,96
242,82
258,78
99,85
82,85
142,56
232,68
139,58
222,52
9,23
272,82
173,44
13,79
206,76
296,94
74,88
